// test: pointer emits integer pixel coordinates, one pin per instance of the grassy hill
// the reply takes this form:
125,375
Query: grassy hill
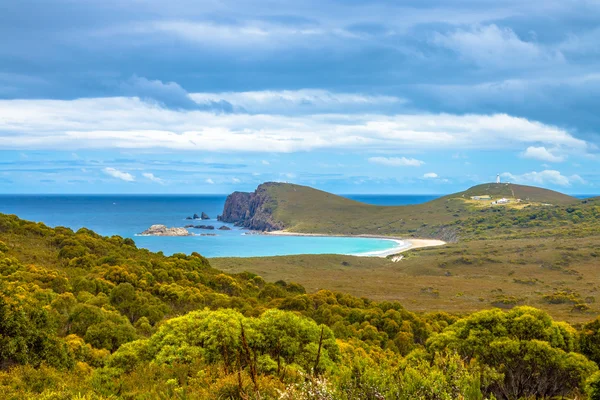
510,190
306,210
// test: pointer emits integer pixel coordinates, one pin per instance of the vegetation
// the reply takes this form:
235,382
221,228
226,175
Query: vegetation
306,210
535,254
558,275
90,317
531,194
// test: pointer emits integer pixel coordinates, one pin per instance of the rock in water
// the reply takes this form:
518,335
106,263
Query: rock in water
188,218
161,230
204,216
224,228
251,210
204,227
196,216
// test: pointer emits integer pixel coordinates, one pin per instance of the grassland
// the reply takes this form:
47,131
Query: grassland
542,251
510,190
306,210
560,276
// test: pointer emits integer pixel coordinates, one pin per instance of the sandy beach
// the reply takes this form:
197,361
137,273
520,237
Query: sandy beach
402,244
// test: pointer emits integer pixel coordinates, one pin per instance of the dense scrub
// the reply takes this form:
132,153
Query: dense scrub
579,219
89,317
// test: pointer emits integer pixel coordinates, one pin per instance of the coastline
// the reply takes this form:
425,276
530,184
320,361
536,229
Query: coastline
402,244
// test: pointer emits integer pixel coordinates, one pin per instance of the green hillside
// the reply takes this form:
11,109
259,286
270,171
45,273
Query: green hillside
511,190
306,210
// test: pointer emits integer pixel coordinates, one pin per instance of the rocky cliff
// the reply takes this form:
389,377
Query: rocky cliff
252,210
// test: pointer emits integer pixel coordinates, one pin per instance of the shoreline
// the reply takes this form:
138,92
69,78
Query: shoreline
402,244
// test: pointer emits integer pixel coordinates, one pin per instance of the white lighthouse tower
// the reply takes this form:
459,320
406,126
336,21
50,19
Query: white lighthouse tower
498,178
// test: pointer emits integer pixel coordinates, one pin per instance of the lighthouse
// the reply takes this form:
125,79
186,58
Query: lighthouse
498,178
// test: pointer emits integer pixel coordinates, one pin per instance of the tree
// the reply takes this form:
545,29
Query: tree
27,336
109,335
288,338
590,340
533,353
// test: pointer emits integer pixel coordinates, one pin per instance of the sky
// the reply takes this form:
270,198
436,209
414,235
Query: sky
399,97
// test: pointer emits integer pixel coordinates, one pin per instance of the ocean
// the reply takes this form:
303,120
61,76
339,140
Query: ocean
128,215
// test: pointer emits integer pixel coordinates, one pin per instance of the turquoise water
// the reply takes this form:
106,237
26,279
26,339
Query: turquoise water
129,215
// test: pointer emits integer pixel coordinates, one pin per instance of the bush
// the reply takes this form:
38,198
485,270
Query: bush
519,344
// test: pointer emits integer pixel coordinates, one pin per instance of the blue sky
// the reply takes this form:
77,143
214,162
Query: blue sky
182,96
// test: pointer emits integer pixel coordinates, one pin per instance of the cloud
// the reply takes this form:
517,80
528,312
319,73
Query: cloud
115,173
265,162
256,29
350,49
288,175
153,178
131,123
209,181
169,94
587,42
577,179
257,33
542,154
296,101
546,177
214,34
494,47
430,175
396,162
235,180
561,96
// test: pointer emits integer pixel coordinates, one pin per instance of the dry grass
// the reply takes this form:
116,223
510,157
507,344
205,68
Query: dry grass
517,205
458,278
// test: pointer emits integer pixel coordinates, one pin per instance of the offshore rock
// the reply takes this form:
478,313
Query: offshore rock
224,228
252,210
204,215
161,230
204,227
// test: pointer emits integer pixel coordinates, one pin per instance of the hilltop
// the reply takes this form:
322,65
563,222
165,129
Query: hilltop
511,190
302,209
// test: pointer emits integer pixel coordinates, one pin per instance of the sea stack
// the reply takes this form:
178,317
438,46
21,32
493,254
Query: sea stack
204,215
